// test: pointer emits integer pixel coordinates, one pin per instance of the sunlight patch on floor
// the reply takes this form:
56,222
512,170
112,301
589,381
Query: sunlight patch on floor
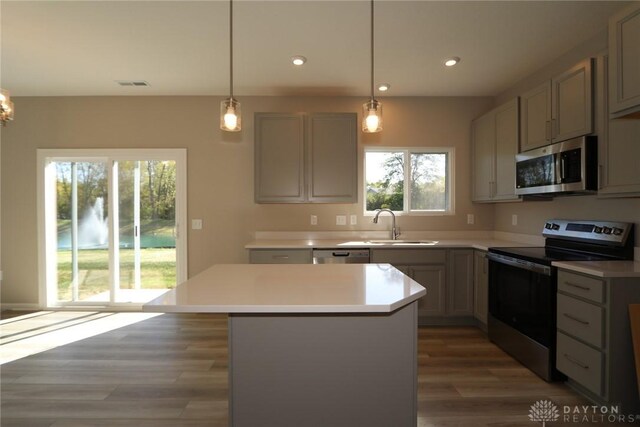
34,333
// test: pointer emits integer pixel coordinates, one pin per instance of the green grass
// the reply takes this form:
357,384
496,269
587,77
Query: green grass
157,271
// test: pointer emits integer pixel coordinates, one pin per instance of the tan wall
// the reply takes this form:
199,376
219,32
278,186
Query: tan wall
220,167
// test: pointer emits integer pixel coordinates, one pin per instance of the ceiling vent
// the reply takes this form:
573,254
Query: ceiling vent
132,83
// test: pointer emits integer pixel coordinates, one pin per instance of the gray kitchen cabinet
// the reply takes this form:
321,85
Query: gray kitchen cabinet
279,158
594,345
332,150
433,278
495,143
306,158
618,148
480,286
460,284
559,109
447,274
280,256
624,62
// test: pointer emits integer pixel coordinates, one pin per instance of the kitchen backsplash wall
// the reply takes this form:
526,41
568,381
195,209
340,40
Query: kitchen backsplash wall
220,167
532,214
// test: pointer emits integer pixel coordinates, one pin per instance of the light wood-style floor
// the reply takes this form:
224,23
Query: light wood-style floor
171,370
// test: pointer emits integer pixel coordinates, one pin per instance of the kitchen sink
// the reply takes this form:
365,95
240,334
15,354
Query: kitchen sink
403,242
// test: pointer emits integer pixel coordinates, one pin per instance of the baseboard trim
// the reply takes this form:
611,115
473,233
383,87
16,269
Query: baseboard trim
20,307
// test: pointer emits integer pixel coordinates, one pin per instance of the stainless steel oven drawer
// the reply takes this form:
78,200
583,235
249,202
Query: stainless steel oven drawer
581,319
580,362
582,286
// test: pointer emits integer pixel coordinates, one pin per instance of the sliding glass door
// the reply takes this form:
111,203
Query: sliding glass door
111,222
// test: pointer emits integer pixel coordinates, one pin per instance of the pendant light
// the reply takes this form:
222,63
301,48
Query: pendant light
6,107
230,118
372,110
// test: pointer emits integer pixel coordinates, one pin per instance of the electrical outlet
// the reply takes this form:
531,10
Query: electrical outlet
514,219
470,219
353,219
314,219
341,220
196,224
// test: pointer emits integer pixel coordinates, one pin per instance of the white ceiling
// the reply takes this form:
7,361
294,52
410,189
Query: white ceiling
52,48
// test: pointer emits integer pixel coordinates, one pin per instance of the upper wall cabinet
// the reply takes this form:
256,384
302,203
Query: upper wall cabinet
306,158
624,62
559,109
618,148
495,144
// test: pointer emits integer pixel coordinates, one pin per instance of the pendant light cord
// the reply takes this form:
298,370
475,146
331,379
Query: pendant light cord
231,48
372,50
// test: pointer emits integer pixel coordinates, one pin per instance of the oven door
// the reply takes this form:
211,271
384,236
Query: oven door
523,296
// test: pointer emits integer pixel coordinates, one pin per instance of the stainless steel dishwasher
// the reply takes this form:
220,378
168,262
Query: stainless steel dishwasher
340,256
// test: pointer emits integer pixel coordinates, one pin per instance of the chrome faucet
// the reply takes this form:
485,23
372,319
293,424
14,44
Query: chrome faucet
394,231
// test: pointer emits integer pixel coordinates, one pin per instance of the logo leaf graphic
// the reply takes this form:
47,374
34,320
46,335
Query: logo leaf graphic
543,410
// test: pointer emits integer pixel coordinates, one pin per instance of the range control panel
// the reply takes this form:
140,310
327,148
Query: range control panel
599,231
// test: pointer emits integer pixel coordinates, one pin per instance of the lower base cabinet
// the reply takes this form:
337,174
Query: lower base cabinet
447,274
481,287
594,344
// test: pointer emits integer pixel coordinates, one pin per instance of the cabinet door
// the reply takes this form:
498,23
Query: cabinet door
624,60
279,158
618,151
483,136
480,286
507,136
332,158
433,278
535,120
572,110
280,256
460,283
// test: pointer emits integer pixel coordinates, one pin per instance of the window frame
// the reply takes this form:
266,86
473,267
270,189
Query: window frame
407,151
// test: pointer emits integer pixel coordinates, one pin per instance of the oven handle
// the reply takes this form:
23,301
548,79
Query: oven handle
520,263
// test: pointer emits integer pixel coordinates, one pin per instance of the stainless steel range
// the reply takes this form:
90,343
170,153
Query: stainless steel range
522,286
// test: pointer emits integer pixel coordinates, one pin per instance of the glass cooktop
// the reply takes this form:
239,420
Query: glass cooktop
543,255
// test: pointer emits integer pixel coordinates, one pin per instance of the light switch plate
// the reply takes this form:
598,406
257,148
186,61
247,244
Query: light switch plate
314,219
514,219
353,220
196,224
470,219
341,220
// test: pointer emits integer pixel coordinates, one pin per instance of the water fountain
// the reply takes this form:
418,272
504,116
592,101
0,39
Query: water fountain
93,230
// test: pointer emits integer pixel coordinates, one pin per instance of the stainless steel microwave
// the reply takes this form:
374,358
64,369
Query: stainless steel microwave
565,167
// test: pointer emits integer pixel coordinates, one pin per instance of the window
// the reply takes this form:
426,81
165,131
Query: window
409,180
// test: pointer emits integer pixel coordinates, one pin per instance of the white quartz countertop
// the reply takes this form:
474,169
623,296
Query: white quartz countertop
291,288
481,244
602,268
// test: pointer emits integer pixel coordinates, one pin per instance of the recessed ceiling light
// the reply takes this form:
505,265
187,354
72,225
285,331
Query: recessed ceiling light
383,87
450,62
298,60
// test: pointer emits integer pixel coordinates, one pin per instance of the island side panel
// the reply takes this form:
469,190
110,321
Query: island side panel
323,370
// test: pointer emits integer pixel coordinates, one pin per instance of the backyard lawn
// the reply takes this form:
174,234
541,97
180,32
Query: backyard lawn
157,265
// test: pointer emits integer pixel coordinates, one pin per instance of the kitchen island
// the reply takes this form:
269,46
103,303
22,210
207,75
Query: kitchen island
312,345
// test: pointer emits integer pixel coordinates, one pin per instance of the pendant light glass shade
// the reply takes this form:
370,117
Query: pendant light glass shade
372,110
372,116
6,107
230,115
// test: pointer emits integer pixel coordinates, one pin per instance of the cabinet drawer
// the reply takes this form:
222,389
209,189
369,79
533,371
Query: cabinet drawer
409,256
286,256
581,319
580,362
582,286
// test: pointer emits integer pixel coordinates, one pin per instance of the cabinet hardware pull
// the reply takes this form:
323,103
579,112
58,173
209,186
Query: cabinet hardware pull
584,288
572,360
547,130
599,177
554,131
567,315
281,257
